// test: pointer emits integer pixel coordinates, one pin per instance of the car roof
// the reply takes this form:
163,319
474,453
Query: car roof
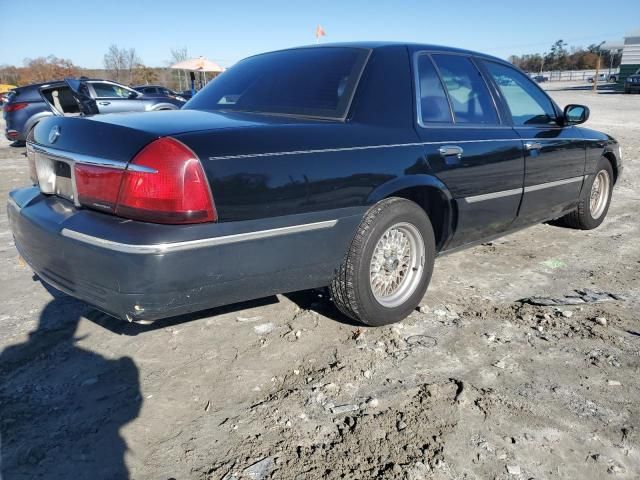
372,45
36,86
153,85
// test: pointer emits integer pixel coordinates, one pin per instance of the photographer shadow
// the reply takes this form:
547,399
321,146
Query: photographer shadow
63,406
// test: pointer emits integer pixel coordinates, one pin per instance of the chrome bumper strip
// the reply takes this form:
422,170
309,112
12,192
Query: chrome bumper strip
71,158
162,248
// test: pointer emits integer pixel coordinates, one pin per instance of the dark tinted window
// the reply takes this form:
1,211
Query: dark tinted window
434,106
528,104
306,81
468,92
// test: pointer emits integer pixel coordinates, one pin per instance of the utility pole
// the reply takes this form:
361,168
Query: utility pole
595,78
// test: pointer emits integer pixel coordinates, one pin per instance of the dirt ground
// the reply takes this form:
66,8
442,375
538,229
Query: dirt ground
477,385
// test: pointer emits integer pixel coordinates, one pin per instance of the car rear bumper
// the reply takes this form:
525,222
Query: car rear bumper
12,135
632,87
141,271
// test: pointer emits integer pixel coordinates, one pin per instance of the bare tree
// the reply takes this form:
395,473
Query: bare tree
114,61
179,55
121,62
132,61
9,74
46,69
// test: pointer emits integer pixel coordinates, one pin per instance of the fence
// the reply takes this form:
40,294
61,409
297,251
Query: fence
574,75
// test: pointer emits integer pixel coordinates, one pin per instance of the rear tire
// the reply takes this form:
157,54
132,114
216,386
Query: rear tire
594,199
388,266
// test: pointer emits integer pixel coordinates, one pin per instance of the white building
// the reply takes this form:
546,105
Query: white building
630,62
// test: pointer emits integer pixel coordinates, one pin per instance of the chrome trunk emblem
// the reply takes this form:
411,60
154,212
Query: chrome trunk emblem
54,133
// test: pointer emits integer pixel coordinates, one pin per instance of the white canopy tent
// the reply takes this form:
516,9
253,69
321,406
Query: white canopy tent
200,64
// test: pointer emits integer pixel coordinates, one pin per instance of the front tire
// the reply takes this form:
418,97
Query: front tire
594,200
388,266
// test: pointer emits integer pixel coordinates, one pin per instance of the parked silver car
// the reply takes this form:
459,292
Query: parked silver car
26,106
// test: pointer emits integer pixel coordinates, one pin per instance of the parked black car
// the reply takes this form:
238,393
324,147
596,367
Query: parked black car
159,91
28,105
632,83
349,165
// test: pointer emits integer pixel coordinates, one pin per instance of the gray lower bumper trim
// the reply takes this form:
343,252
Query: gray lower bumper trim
13,203
192,244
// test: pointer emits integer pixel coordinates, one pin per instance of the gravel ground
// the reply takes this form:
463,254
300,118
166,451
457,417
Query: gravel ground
476,385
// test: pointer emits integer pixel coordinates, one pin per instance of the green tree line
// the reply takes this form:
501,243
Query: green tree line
562,57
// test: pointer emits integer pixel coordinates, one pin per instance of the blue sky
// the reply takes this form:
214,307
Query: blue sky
226,31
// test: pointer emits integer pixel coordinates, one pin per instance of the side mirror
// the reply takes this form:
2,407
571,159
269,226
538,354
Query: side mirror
576,114
133,95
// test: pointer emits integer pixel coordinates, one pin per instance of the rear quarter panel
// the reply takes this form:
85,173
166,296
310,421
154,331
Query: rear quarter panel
266,172
24,120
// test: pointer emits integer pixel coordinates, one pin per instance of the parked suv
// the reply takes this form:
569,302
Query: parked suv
348,165
26,106
632,83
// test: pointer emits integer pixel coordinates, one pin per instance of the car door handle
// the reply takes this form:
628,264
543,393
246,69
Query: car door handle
451,150
104,103
532,146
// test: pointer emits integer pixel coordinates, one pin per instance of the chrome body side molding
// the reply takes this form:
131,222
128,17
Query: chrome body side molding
162,248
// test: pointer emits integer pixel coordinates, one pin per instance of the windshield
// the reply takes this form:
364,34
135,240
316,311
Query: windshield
316,82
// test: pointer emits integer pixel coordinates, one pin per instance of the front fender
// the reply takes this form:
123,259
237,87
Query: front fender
613,152
600,145
163,106
389,188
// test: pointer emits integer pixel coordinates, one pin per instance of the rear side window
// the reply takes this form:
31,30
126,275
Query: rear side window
108,90
527,103
434,105
305,81
470,99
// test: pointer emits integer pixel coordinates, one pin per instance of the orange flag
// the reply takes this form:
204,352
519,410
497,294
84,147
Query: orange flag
320,32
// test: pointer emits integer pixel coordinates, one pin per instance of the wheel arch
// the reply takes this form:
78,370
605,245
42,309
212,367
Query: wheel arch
430,194
33,120
164,106
613,160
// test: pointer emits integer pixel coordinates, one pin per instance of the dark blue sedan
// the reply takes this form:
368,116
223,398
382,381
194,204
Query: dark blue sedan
352,166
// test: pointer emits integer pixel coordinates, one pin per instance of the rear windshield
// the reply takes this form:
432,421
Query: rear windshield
317,82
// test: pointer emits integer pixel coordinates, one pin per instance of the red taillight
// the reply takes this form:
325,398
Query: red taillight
164,183
14,107
98,187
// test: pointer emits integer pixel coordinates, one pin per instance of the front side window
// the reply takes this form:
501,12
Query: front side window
470,99
527,103
306,81
109,90
434,106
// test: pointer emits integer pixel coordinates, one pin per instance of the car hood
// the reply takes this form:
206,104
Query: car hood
175,122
